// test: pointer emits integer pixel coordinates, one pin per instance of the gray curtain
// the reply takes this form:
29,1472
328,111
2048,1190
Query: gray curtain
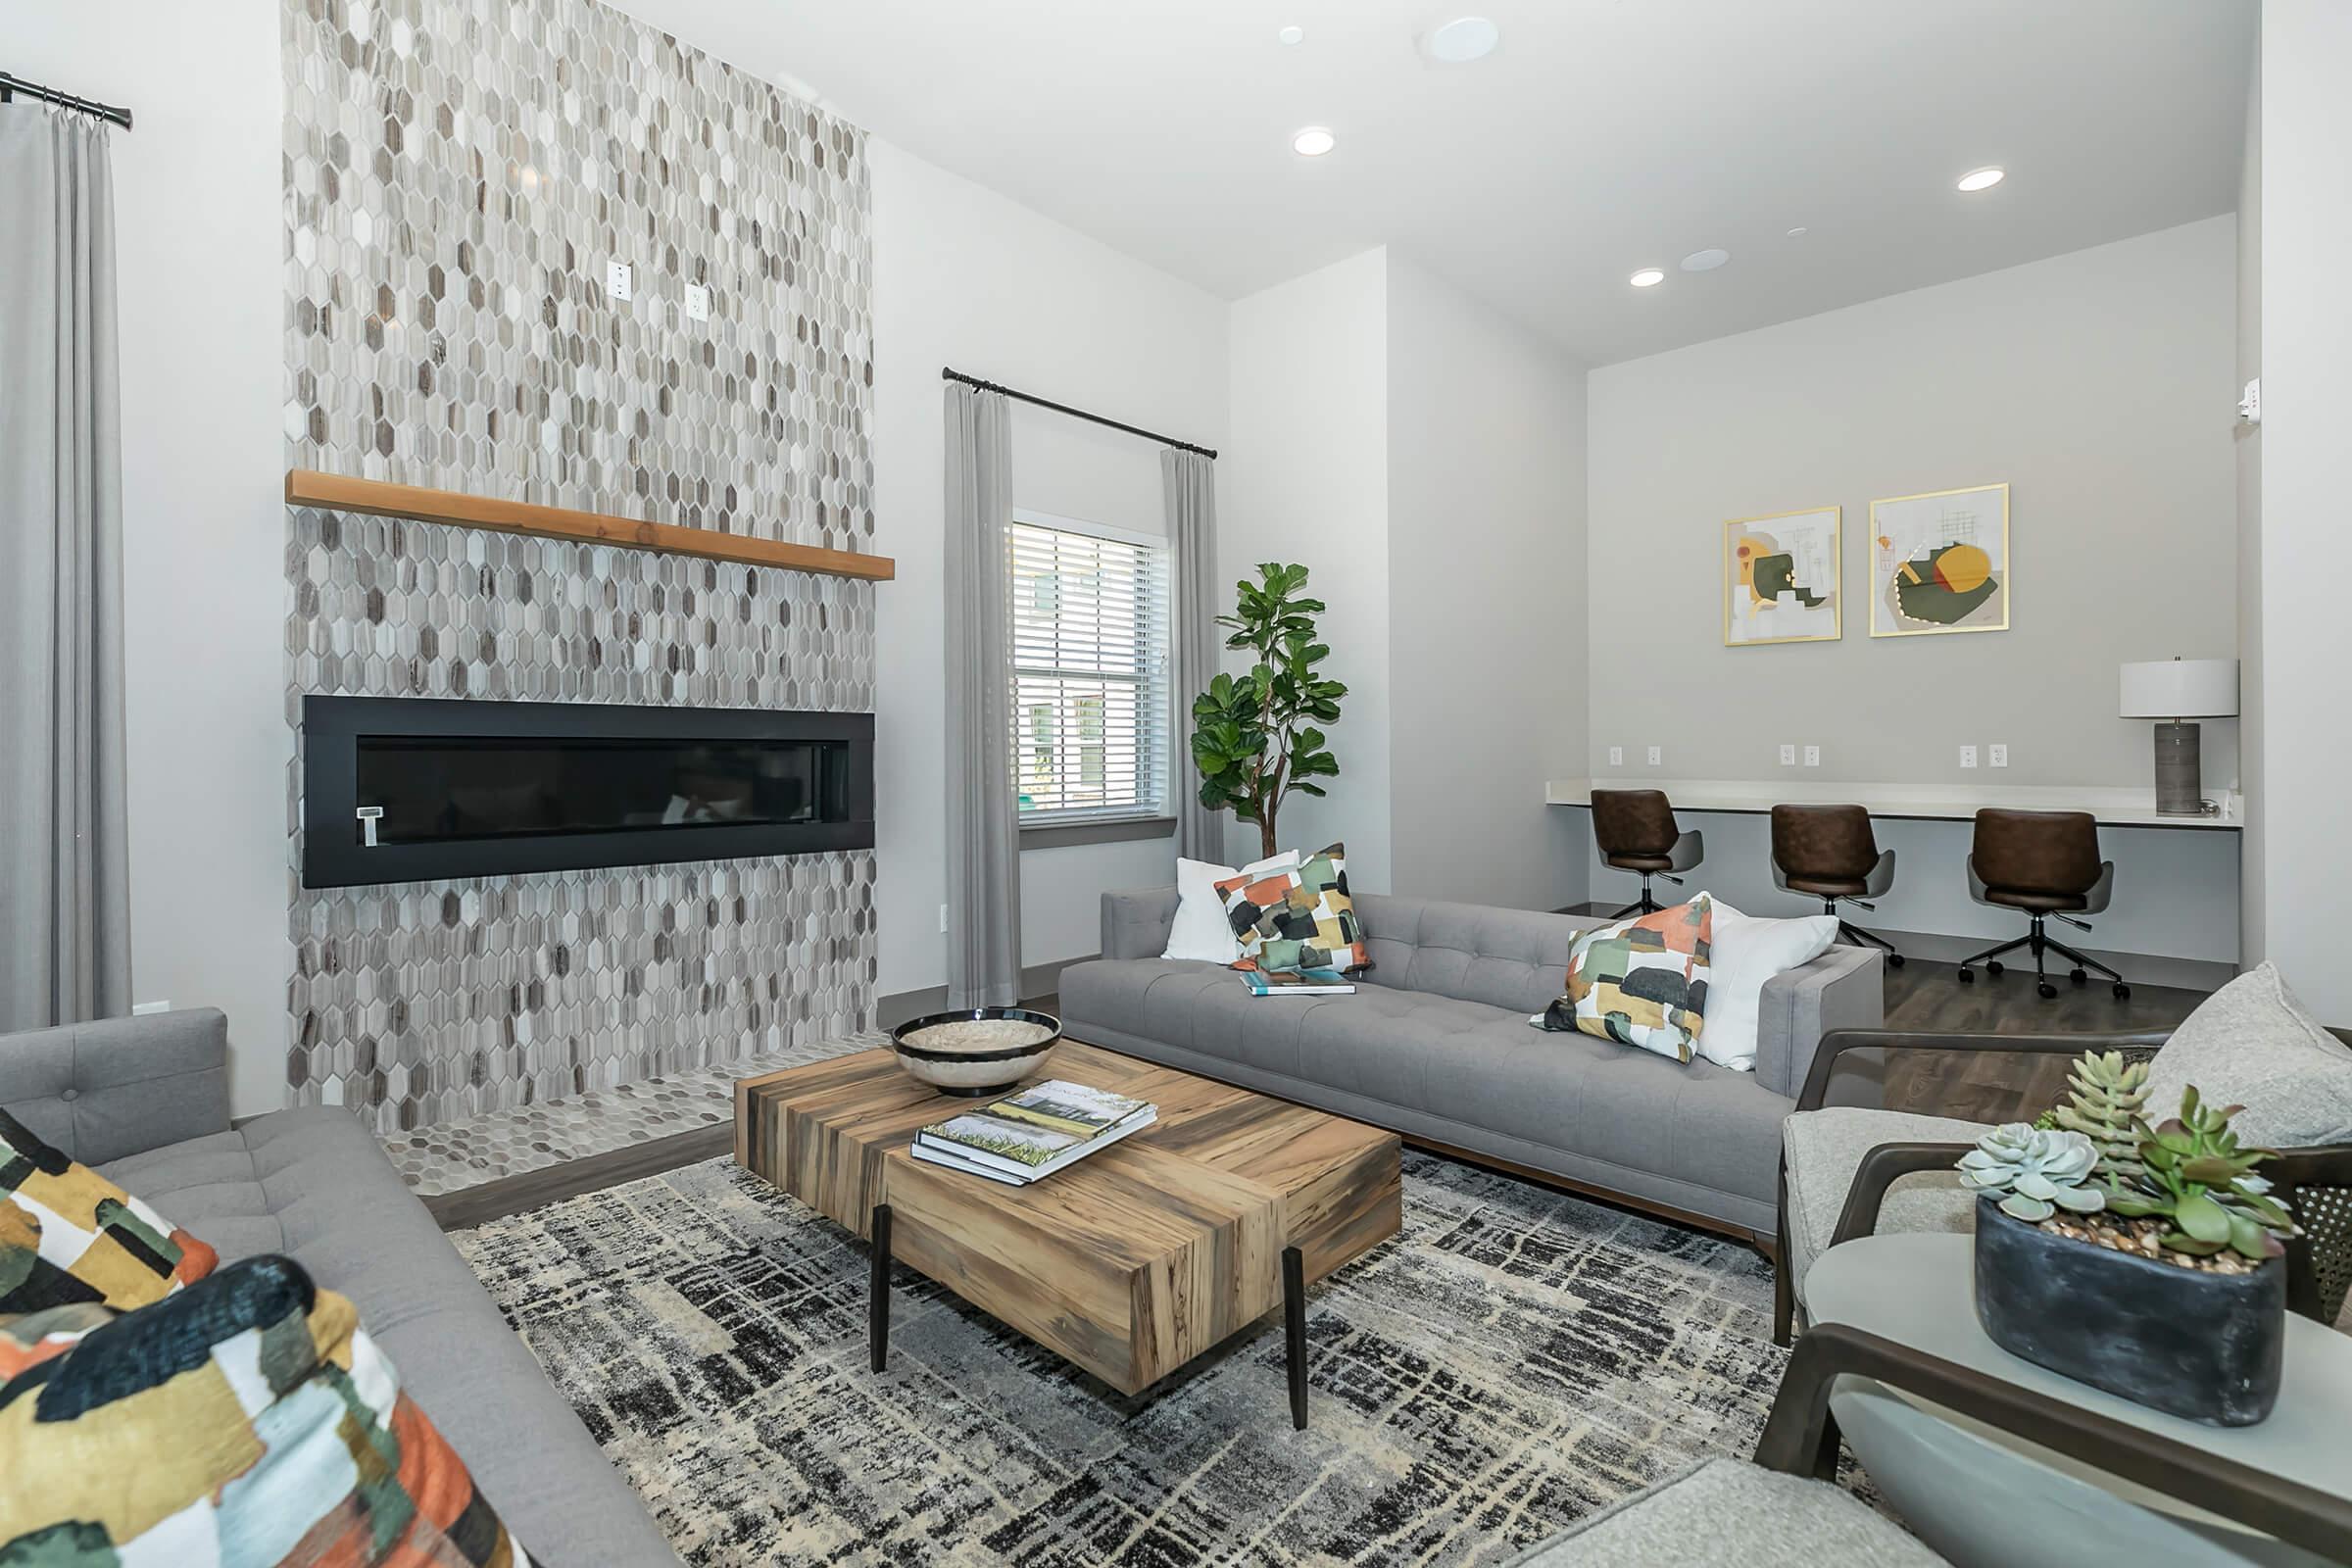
1187,483
64,918
984,841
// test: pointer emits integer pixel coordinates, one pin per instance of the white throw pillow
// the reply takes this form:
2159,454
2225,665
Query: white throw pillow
1748,951
1202,931
2252,1043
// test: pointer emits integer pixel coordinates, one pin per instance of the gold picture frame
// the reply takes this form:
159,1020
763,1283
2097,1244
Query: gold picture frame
1908,535
1805,551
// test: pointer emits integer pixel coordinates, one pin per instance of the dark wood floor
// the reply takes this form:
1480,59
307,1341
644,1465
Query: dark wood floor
1922,994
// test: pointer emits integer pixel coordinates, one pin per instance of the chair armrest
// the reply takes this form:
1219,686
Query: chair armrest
1800,1436
1839,991
2318,1261
120,1086
1815,1089
1136,924
1687,850
1880,1170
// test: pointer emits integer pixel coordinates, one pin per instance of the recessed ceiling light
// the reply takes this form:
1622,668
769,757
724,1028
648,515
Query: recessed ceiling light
1291,35
1313,142
1649,277
1705,261
1797,233
1982,178
1463,39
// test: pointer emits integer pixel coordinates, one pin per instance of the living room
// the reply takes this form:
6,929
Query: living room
614,603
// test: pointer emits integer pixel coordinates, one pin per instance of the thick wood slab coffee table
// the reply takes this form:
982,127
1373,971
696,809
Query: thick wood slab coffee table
1129,1263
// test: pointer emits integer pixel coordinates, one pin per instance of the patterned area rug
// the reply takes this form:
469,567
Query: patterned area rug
1515,1360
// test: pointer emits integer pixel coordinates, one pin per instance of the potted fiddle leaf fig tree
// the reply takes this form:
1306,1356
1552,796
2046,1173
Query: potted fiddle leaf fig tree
1256,736
2146,1260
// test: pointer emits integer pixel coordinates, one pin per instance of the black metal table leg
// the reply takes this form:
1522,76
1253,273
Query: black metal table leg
1293,1329
878,1305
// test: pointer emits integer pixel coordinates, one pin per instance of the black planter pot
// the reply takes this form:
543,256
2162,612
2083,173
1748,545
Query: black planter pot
2202,1346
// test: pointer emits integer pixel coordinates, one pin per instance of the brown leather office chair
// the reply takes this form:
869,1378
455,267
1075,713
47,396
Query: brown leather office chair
2047,864
1637,832
1830,853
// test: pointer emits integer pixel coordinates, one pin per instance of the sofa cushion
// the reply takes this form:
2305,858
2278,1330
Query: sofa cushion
315,1184
1513,958
1644,981
1723,1511
2252,1043
1297,918
1825,1149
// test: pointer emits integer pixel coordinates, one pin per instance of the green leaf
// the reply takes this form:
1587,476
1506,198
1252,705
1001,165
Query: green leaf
1305,788
2203,1218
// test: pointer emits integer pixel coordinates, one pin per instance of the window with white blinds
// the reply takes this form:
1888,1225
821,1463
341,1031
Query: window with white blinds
1091,668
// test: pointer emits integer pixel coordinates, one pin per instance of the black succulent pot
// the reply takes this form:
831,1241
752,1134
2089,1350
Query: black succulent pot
2202,1346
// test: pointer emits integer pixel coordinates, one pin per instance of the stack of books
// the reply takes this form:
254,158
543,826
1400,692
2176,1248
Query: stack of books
1028,1136
1298,983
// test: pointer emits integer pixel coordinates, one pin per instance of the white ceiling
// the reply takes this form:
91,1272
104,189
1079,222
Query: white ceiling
1604,135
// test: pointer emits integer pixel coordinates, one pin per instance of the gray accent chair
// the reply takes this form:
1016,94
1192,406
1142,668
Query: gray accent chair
1434,1044
145,1101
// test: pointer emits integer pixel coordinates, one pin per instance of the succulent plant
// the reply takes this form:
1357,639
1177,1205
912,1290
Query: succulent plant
2037,1170
2196,1176
2104,1105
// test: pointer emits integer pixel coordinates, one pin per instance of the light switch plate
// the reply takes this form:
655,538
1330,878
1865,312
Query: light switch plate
1787,756
1996,755
1657,756
1616,757
1812,757
943,920
619,280
1968,757
698,303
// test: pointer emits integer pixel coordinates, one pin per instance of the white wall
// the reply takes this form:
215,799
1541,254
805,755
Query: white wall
965,277
2098,385
2306,360
1305,479
2252,940
200,287
1487,654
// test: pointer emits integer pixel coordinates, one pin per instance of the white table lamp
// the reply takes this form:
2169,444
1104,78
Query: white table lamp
2174,690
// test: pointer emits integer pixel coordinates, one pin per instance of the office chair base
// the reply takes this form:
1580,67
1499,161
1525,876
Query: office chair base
1862,938
2043,944
1647,903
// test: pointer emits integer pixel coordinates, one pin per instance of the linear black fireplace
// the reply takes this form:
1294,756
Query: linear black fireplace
399,789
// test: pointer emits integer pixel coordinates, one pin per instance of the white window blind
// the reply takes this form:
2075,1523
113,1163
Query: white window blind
1090,671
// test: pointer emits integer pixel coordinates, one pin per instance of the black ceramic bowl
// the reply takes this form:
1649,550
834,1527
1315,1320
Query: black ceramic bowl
978,1050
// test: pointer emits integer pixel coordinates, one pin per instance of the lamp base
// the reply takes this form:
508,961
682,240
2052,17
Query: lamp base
2179,771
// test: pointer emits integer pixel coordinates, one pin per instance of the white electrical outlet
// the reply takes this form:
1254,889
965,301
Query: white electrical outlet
698,303
1968,757
1657,756
1787,756
140,1010
1996,755
1812,757
619,280
1616,757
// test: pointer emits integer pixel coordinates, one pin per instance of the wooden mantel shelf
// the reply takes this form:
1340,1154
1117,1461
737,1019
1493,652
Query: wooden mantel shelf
380,498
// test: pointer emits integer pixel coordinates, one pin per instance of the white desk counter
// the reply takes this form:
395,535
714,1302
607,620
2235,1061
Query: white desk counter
2114,807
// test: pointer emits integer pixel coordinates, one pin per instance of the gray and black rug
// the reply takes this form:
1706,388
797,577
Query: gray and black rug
1513,1361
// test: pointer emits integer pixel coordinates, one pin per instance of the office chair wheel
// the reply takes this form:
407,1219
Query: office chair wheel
2047,991
2123,992
1968,977
2076,976
1895,960
1993,968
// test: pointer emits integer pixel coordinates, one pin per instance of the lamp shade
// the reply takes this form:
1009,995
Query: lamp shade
2180,688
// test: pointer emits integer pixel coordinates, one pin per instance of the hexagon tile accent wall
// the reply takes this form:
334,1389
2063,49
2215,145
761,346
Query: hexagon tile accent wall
457,182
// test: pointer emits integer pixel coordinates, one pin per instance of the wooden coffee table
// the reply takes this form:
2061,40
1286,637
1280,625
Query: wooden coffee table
1131,1262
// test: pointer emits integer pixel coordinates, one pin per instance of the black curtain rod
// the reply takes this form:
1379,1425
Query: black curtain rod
10,86
946,375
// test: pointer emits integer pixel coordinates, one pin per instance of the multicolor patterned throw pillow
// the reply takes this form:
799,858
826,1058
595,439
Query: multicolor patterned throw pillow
90,1241
1641,982
1300,918
246,1422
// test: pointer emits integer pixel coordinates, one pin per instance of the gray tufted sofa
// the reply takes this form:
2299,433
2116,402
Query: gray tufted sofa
1434,1044
145,1101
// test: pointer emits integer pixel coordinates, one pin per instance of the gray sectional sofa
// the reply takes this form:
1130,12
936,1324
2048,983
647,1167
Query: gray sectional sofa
146,1102
1434,1044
